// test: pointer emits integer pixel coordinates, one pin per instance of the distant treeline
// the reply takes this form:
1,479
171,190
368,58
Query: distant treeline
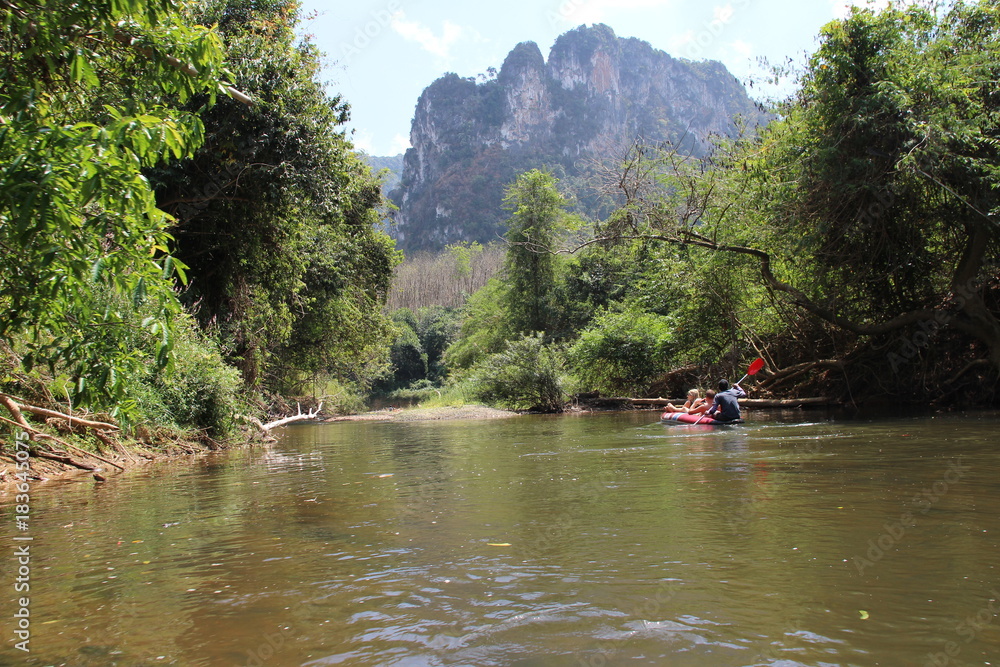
445,279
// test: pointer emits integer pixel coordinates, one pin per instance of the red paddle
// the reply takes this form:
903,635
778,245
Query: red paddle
757,364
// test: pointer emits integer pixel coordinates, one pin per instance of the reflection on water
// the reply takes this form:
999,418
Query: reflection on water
574,540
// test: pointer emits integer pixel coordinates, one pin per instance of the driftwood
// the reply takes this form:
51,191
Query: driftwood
617,401
745,402
63,443
113,444
252,420
43,412
654,402
17,411
36,435
52,456
308,416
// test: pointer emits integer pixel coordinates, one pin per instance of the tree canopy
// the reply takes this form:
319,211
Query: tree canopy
140,183
276,214
871,203
857,234
90,95
537,216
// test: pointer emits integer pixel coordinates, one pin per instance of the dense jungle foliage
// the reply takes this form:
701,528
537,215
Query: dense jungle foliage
852,243
186,234
185,230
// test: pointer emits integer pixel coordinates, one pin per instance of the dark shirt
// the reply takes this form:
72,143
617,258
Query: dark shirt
727,407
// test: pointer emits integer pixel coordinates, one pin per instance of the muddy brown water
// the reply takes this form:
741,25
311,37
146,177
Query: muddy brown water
574,540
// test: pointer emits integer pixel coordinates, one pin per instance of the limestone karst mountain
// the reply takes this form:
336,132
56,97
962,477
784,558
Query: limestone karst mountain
596,93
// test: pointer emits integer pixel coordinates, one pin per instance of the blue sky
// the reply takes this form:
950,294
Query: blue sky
381,54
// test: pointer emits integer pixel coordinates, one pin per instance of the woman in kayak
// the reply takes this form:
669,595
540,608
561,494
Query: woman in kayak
693,402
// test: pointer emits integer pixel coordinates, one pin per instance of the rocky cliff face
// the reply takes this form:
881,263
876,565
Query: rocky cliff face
595,93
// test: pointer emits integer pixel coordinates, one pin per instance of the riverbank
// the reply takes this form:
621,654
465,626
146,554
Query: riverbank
82,464
418,414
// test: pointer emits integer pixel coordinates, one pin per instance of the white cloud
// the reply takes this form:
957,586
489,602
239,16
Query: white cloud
438,45
363,140
576,12
400,143
743,48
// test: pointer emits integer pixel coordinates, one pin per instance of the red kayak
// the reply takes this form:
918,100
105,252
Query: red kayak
685,418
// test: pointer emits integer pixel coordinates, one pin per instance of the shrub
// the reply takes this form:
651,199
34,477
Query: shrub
483,330
198,389
526,375
623,352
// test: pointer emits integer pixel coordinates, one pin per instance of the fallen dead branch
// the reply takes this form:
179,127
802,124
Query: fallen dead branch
792,372
113,444
968,367
67,460
308,416
71,419
17,411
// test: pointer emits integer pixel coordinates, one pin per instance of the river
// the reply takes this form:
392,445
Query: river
582,540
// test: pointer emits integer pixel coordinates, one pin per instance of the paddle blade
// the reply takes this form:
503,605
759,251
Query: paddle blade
757,364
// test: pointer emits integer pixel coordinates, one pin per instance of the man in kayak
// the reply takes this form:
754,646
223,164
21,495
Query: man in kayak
727,406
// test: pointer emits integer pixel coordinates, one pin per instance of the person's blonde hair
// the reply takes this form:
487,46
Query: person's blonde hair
697,394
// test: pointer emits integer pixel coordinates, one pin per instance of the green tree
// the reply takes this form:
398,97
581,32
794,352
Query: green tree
623,352
538,211
338,331
409,360
870,204
892,146
484,328
276,214
89,96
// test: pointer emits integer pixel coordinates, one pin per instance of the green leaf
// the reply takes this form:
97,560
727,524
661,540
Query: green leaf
82,72
139,293
180,268
91,187
97,271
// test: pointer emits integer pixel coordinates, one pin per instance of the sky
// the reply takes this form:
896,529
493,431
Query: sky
381,54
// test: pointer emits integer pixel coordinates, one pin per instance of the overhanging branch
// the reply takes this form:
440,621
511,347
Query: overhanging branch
798,297
129,41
